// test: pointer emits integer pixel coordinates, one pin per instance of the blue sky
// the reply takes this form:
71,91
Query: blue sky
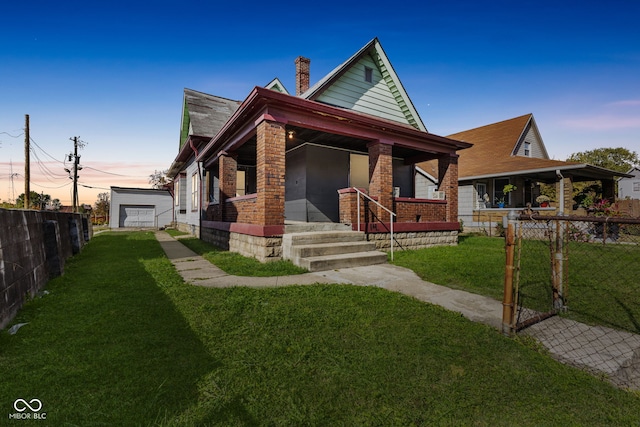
113,72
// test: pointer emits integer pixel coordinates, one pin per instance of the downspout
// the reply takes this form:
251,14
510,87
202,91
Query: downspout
561,201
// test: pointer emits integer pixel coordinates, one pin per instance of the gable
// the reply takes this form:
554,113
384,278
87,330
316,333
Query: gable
203,115
277,85
383,96
353,92
531,136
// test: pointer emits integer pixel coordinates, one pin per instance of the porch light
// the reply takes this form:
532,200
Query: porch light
291,134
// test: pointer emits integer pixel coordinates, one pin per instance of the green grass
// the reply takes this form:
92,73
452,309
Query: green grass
121,340
173,232
603,280
475,265
238,265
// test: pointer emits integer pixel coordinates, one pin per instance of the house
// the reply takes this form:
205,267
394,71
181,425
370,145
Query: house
352,139
140,207
629,187
513,152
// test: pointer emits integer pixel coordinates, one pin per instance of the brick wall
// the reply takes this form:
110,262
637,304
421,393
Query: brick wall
420,210
406,209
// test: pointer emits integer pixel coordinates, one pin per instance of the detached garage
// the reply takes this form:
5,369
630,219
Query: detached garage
140,208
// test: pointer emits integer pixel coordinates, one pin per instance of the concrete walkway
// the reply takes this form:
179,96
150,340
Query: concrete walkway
597,349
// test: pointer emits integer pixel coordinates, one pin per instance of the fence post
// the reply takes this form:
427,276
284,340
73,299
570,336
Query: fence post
558,266
507,299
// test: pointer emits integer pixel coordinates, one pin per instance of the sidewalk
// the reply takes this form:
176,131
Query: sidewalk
596,349
198,271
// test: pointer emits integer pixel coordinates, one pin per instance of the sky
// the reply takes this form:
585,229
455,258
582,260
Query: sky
113,73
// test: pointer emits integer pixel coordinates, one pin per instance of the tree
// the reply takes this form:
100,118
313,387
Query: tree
101,208
36,201
158,179
617,159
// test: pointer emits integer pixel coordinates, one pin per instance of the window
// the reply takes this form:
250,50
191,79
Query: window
368,74
636,185
482,198
194,192
527,149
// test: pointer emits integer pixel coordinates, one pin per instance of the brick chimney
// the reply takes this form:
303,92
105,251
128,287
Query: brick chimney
302,74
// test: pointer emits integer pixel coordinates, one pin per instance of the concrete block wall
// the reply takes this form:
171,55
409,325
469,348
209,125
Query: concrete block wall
414,240
34,246
262,248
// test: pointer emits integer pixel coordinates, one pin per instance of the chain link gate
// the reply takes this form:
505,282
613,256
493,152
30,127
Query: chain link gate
573,283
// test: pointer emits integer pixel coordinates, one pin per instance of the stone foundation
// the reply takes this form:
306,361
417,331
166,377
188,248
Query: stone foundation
414,240
264,249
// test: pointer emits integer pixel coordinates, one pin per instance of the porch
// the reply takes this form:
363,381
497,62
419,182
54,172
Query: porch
281,158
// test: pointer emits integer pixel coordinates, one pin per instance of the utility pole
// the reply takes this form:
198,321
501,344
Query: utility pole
76,160
27,172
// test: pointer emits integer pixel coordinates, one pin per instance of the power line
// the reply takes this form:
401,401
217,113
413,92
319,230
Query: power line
41,149
12,136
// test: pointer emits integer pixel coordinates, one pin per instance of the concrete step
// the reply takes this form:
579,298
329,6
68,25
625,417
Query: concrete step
333,262
334,248
318,237
304,227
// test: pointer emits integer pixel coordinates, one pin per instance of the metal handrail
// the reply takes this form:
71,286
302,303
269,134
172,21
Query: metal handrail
391,214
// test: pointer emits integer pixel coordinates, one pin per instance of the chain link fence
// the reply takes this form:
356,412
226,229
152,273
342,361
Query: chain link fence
576,289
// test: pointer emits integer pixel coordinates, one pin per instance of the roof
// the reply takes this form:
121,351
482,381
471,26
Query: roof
492,155
205,114
267,104
373,48
493,149
133,189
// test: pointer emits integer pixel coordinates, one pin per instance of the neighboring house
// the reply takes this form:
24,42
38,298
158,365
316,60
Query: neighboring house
140,207
629,187
512,152
279,157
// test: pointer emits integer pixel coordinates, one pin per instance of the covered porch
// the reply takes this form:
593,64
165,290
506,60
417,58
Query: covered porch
283,158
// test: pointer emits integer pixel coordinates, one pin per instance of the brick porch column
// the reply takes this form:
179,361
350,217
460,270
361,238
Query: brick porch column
228,173
381,176
448,182
270,159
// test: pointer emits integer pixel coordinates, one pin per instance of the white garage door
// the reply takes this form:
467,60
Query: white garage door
137,216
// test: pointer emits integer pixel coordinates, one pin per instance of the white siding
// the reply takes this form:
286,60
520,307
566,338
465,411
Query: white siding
537,150
424,186
353,92
188,214
626,186
466,202
139,202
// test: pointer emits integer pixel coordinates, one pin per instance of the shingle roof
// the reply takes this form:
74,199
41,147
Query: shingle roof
208,113
493,146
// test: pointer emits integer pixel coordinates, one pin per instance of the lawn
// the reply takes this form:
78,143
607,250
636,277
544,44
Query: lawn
238,265
603,280
120,339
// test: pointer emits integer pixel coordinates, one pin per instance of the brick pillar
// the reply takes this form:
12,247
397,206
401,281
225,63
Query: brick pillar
270,158
567,185
228,175
381,177
448,182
